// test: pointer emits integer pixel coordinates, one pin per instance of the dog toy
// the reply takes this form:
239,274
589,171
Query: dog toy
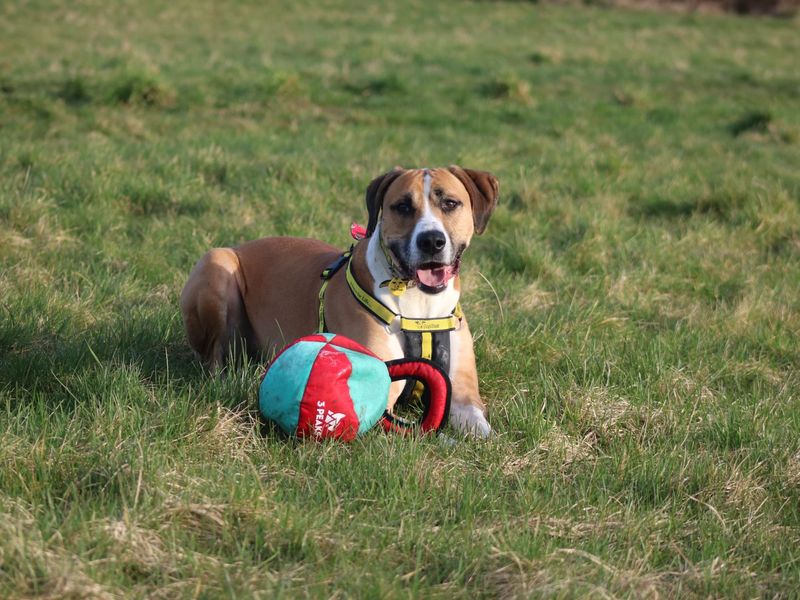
328,386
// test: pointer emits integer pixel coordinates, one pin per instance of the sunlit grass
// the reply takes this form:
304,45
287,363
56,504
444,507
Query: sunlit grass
634,300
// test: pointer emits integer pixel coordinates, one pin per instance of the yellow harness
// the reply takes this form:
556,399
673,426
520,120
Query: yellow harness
425,327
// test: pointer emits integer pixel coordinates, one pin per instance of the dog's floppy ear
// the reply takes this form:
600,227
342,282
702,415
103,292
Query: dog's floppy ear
483,190
375,192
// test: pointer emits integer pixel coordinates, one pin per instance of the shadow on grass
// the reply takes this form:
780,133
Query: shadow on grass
757,121
719,206
374,86
37,358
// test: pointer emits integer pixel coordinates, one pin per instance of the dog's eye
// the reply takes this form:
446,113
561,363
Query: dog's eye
449,204
403,208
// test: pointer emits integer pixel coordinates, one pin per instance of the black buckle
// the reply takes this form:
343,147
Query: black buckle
332,268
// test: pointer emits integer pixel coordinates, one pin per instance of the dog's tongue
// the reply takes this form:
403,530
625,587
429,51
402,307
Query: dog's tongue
437,277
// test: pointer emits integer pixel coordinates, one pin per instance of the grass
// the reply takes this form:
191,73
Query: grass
640,359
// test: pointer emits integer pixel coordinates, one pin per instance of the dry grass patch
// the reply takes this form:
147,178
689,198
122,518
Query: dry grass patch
561,450
530,462
168,566
600,414
569,572
644,291
438,473
761,370
33,274
228,433
601,417
16,453
682,389
746,490
141,551
205,520
532,298
565,528
792,470
761,307
515,577
34,567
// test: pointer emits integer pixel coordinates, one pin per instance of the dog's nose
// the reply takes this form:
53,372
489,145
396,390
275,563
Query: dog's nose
431,242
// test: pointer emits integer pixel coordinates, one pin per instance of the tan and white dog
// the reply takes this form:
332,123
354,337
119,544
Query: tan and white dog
264,293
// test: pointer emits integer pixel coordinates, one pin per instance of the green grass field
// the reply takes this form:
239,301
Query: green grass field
635,300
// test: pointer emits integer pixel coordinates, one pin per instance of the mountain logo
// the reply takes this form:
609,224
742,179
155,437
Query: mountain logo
326,419
332,420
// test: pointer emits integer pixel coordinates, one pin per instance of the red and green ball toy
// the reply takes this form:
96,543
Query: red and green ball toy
328,386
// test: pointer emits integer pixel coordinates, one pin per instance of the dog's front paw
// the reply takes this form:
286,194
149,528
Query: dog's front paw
469,419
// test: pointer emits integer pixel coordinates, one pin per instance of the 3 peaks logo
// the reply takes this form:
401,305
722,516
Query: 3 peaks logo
325,420
332,420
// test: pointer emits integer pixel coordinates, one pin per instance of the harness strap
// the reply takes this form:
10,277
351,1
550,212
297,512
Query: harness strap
426,351
326,275
430,345
321,328
427,344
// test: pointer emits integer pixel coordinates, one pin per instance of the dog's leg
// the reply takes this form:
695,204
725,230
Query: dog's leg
467,410
212,307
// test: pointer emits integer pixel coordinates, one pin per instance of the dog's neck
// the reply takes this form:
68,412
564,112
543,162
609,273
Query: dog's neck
413,303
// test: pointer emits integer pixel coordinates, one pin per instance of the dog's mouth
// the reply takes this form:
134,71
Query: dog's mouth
433,277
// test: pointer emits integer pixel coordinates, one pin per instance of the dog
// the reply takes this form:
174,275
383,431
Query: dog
405,273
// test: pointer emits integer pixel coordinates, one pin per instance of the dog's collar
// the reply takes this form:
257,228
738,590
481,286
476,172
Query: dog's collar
392,319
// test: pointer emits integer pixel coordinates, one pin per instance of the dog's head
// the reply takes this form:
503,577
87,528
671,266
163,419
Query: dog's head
428,217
